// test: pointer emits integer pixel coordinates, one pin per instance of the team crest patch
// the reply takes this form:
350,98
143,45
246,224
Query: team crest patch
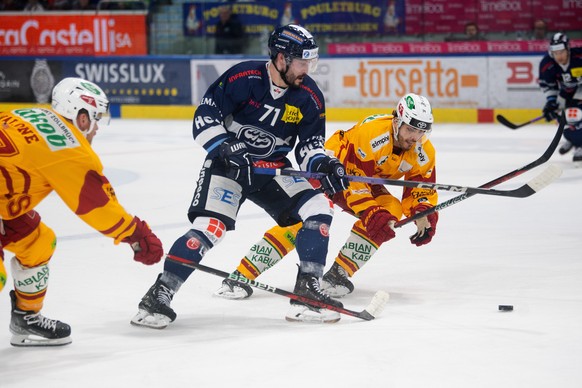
324,230
193,243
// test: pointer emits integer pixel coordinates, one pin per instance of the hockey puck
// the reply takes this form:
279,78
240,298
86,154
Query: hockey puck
505,307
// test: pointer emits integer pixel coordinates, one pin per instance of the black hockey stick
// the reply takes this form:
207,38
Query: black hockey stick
511,125
374,308
539,161
532,187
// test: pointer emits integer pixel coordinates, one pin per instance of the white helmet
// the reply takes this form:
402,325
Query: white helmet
414,110
74,94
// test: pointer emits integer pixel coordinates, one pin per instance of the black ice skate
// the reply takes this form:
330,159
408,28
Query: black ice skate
565,147
32,329
154,309
335,282
231,289
577,155
307,285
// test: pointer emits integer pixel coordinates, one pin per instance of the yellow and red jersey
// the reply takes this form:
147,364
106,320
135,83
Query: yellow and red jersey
367,149
40,151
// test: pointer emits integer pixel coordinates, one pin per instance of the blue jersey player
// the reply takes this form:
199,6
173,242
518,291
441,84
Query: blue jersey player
561,81
254,115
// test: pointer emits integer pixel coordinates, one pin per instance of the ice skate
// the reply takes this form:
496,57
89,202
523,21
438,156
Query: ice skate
577,155
565,147
335,282
307,285
32,329
154,309
231,289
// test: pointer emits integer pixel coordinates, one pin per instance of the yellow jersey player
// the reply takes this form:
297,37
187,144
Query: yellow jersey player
387,146
45,150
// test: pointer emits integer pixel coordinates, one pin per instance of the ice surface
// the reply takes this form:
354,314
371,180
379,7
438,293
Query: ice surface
441,327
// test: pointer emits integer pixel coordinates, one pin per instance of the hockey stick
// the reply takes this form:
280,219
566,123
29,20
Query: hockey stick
374,308
526,190
539,161
511,125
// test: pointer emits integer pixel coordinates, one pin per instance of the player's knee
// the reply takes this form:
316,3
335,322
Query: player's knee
206,232
574,118
36,248
316,206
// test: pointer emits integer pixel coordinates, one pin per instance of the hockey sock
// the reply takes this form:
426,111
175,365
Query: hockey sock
275,244
30,285
192,247
357,250
312,240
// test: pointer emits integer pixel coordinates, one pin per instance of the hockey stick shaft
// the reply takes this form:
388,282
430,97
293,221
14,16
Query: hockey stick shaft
539,161
373,309
520,192
511,125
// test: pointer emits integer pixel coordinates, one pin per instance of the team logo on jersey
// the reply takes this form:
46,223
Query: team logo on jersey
379,141
55,132
259,142
292,115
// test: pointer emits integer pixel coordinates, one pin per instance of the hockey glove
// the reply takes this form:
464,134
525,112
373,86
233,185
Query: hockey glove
238,162
426,226
146,246
551,109
379,224
334,181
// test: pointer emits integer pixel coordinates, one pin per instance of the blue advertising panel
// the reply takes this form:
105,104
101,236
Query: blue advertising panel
330,17
142,81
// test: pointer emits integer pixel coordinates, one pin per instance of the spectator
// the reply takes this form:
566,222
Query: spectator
230,38
540,30
472,32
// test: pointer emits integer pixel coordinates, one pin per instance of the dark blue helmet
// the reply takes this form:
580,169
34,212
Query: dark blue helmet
293,41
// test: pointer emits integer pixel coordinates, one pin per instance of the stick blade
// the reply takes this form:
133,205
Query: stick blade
506,122
376,305
549,175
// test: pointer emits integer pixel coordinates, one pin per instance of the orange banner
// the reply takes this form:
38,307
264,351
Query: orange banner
70,34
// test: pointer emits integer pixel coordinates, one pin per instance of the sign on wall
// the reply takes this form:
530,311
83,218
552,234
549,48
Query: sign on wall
71,34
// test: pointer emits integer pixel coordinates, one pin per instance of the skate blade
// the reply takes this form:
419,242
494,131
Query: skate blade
152,321
24,340
298,313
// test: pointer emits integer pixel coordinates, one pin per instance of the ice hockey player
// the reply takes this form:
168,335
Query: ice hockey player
45,150
560,79
254,115
390,146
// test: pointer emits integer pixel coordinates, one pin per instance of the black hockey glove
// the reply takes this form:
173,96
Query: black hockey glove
238,162
551,109
335,180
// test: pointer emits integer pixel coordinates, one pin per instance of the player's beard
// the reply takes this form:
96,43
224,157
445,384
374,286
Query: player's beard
292,81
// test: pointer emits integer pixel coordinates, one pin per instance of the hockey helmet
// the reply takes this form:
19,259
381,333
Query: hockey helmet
415,110
293,41
74,94
559,42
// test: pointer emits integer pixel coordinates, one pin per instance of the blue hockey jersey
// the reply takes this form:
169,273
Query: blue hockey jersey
563,82
244,104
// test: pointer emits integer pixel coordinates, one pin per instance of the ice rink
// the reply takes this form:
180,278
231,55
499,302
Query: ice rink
441,327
